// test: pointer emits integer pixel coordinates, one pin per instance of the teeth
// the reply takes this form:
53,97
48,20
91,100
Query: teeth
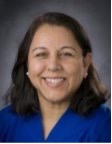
54,81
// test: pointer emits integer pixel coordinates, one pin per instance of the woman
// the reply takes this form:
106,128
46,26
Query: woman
56,94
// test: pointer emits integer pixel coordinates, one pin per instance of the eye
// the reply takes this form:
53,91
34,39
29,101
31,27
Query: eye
41,54
67,54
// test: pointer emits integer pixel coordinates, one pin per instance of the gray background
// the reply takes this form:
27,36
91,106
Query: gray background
17,15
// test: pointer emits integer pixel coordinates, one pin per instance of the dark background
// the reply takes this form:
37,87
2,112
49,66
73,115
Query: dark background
17,15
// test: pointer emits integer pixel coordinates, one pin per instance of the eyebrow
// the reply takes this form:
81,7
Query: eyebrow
38,48
64,47
68,47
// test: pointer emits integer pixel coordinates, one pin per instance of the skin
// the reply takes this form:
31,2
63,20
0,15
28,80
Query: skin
56,69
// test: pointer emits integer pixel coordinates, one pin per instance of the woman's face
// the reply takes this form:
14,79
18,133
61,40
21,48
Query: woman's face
56,66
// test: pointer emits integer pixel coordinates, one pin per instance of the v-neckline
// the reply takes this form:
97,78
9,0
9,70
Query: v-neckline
52,132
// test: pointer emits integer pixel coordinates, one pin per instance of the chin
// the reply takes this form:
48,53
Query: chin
56,100
55,96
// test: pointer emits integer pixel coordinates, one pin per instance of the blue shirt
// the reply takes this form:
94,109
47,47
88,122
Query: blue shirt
71,127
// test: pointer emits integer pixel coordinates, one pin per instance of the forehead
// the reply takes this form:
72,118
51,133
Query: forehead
52,31
51,35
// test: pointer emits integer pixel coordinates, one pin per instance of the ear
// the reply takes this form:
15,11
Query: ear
87,61
27,73
27,65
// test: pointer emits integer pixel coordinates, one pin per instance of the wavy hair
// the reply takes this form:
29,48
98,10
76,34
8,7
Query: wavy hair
23,96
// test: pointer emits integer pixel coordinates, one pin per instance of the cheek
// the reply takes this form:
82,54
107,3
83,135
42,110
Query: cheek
76,67
35,68
35,72
75,72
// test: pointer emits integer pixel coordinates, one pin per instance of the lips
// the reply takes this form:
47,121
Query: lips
54,82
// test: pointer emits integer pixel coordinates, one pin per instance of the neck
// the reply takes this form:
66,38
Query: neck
52,111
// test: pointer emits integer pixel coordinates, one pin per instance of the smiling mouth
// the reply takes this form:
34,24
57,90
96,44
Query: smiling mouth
54,82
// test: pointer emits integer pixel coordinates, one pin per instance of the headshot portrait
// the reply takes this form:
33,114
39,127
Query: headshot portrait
55,71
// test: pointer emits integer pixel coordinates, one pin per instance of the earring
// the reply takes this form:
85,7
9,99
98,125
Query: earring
86,74
27,73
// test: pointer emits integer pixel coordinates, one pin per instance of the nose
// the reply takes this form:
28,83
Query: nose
54,64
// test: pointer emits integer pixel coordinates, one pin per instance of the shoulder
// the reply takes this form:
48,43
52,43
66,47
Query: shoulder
6,115
96,126
6,112
9,118
100,117
100,120
101,112
13,124
6,122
